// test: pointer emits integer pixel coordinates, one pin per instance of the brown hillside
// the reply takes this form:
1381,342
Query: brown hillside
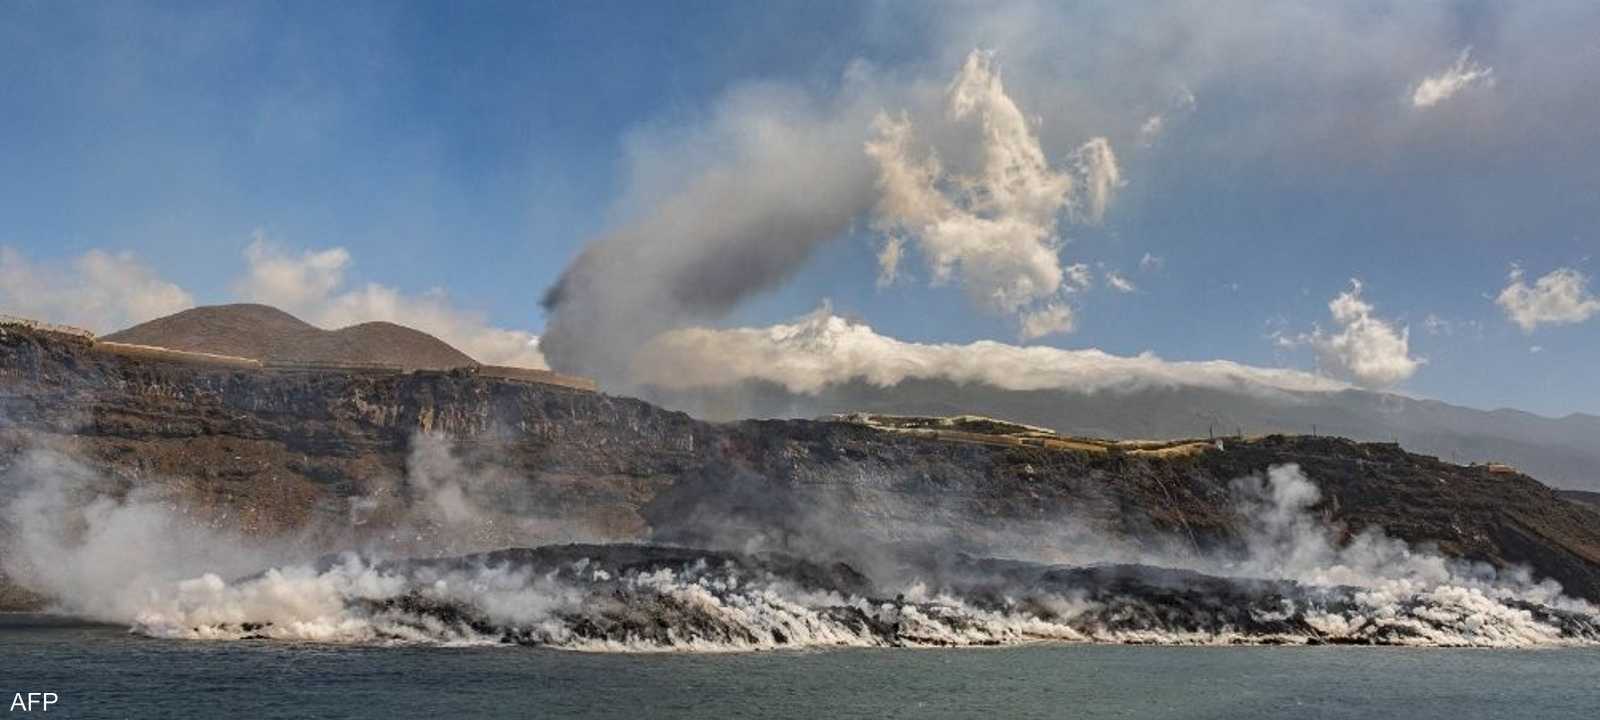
267,333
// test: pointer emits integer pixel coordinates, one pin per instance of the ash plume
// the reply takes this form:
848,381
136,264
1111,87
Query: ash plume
953,173
785,175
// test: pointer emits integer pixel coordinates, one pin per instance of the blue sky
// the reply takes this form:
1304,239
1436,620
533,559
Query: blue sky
477,148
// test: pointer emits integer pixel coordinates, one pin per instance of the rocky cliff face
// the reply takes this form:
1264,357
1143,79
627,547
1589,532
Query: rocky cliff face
267,453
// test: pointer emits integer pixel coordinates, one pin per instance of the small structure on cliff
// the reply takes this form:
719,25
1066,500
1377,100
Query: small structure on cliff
66,331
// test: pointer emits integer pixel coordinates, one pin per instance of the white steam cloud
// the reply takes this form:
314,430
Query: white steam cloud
1367,349
823,349
69,537
73,535
1561,297
1286,539
1464,74
993,230
141,559
98,290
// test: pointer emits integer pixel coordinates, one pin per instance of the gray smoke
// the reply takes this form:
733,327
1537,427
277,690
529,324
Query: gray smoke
733,210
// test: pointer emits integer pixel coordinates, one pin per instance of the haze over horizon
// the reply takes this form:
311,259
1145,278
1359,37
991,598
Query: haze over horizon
1389,196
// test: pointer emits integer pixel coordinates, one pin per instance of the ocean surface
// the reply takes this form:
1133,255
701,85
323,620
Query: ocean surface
104,671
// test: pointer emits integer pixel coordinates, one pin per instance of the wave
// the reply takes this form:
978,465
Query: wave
654,598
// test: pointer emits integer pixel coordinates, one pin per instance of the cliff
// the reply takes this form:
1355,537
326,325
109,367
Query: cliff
269,451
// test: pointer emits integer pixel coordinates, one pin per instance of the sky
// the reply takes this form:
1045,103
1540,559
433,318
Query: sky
1397,196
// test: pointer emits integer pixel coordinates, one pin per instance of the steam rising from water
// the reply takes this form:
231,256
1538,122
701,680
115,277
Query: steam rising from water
139,559
105,550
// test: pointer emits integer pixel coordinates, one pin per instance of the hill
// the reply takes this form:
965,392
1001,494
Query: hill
267,333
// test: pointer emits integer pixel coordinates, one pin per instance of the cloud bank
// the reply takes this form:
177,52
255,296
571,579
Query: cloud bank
823,349
1561,297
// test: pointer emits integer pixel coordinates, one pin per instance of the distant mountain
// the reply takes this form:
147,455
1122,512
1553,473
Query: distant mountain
267,333
1563,452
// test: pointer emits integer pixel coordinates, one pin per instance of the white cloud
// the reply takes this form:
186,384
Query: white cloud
1436,325
1150,263
823,349
1098,167
993,231
290,282
1053,318
1119,283
889,260
309,285
1465,73
1562,297
1151,129
1155,125
1079,277
98,290
1367,349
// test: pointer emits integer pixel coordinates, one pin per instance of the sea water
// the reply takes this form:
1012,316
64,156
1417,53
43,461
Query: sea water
104,671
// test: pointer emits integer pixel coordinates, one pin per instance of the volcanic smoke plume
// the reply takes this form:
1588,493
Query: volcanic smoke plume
955,173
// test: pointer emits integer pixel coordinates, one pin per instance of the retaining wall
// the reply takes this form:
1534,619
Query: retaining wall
151,352
361,367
